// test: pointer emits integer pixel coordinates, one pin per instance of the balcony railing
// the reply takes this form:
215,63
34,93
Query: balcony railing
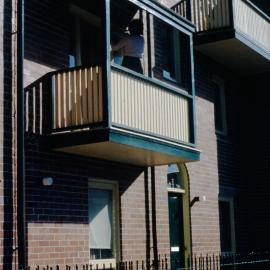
181,8
77,97
252,22
141,105
241,15
65,100
212,14
72,99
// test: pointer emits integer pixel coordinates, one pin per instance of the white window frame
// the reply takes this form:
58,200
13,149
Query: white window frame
221,88
114,187
230,200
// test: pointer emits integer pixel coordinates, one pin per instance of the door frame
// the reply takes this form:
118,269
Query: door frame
185,193
230,200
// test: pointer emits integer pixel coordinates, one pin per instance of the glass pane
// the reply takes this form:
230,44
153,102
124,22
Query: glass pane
100,219
171,55
127,35
148,45
173,177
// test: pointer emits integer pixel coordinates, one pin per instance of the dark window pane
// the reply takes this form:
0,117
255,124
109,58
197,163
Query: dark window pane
225,227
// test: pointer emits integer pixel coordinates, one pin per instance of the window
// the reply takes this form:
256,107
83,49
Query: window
103,221
86,24
219,106
171,55
171,68
173,177
227,229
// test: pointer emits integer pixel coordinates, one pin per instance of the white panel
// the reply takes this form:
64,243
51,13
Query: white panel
144,106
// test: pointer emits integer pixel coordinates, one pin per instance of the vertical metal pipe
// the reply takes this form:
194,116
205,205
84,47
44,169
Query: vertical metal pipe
106,63
20,139
149,51
154,219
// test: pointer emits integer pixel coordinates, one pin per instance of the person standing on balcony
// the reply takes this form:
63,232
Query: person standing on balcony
132,46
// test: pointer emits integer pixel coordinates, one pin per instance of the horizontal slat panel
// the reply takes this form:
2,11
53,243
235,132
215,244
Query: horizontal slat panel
252,24
77,97
141,105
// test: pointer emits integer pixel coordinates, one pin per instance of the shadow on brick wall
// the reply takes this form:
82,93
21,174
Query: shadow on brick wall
9,224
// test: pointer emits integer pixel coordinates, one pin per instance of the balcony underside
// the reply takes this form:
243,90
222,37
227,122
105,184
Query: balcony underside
123,147
234,51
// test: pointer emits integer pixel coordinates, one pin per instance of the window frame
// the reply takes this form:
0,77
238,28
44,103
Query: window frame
79,15
222,95
230,200
175,57
114,187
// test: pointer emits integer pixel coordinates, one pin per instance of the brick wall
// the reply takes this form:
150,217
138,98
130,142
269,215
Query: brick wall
47,48
1,134
7,222
219,170
47,37
57,216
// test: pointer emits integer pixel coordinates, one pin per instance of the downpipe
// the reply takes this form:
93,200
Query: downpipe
20,139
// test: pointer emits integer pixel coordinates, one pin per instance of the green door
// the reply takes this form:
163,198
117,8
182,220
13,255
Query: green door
176,231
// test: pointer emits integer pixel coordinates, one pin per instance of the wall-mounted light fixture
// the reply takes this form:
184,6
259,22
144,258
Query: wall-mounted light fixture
198,199
47,181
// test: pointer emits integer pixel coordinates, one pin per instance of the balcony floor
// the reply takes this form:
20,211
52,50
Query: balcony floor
123,147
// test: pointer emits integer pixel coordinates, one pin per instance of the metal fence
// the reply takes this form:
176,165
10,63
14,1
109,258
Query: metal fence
248,261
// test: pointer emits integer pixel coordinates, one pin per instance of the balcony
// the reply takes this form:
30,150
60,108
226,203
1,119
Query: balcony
150,123
235,33
98,108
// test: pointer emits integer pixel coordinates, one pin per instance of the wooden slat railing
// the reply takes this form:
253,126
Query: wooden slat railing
181,8
211,14
77,97
247,18
34,109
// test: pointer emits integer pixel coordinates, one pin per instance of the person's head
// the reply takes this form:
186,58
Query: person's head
135,27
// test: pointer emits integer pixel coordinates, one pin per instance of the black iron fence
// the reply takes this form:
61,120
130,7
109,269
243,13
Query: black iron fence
248,261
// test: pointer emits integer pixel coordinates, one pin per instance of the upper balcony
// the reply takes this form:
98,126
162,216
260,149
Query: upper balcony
99,108
235,33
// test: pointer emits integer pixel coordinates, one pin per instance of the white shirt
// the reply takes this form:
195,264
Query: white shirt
132,46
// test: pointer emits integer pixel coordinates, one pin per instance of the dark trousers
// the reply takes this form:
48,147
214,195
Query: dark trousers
133,63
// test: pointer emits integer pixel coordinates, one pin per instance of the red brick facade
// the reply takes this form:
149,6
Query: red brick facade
57,216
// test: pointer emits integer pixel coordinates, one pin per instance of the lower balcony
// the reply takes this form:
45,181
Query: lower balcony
129,119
